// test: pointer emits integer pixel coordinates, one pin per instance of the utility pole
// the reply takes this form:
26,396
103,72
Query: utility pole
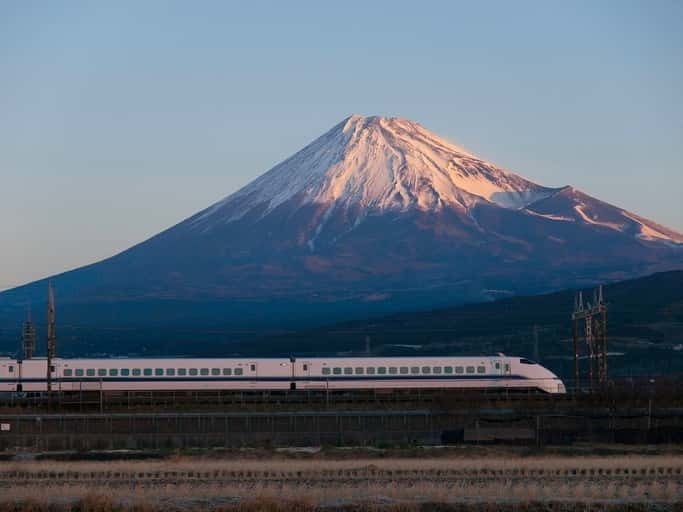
603,331
575,337
50,336
28,337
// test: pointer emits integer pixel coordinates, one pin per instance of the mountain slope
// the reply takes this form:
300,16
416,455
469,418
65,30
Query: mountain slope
376,215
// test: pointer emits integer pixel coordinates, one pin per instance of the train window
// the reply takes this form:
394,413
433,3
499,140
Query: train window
238,371
90,372
437,369
382,370
459,369
170,372
426,369
448,369
79,372
68,372
403,370
359,371
336,370
393,370
136,372
113,372
415,369
227,371
370,370
497,366
52,368
159,372
527,361
204,371
481,369
147,372
326,371
11,369
193,371
101,372
125,372
470,369
348,370
253,367
215,371
305,367
182,371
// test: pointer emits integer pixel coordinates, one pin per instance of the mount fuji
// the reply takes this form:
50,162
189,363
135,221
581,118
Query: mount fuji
378,214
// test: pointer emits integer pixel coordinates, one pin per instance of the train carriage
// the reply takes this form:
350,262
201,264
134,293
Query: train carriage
179,374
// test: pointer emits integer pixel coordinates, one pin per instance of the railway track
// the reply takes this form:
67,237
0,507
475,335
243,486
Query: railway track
272,401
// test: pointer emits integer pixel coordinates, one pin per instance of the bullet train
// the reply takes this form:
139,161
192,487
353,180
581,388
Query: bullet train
181,374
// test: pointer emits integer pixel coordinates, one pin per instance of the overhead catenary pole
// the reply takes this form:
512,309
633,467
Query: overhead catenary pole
576,316
50,334
28,337
603,324
575,336
591,353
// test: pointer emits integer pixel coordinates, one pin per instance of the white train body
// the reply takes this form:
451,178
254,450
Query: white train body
178,374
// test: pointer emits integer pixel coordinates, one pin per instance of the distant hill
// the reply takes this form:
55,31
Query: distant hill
645,326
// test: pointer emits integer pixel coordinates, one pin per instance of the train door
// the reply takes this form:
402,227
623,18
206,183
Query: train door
305,369
300,370
17,372
55,382
498,367
10,372
309,376
251,374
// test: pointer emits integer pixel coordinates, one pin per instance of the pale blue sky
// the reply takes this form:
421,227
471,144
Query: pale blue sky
119,119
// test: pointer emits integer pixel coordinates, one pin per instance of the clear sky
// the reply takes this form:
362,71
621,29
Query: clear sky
119,119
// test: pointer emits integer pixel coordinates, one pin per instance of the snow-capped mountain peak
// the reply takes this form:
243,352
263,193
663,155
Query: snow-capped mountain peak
378,164
377,214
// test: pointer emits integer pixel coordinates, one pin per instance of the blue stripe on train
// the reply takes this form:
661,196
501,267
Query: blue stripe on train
268,379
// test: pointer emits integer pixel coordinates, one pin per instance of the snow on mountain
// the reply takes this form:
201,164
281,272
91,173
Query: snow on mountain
378,164
369,165
571,205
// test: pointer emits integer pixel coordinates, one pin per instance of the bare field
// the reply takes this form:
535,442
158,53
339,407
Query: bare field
192,483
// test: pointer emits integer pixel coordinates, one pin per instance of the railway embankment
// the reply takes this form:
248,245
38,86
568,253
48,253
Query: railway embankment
165,423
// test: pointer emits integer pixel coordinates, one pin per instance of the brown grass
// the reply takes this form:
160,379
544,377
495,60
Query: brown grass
202,484
528,466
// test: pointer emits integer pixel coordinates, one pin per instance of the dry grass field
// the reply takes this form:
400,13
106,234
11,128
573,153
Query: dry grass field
446,483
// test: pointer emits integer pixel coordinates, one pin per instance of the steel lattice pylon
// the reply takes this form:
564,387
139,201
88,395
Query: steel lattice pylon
589,323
